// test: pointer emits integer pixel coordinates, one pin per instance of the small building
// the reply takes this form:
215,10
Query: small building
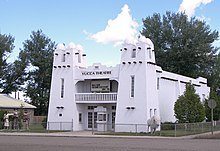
11,104
120,98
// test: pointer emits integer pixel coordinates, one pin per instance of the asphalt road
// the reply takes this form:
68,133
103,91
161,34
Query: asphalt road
39,143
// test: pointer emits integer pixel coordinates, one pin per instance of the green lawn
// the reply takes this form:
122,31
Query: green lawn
165,133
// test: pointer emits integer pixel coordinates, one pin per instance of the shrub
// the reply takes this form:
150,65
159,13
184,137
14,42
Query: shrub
167,126
44,123
1,118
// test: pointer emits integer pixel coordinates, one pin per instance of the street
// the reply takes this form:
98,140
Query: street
41,143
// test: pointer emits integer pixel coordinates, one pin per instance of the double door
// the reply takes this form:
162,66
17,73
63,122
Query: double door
92,118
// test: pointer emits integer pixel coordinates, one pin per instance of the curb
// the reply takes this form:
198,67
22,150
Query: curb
82,135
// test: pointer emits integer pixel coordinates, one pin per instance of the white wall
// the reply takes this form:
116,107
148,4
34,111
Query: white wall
146,95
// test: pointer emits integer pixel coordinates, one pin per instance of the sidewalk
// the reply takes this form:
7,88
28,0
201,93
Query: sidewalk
86,134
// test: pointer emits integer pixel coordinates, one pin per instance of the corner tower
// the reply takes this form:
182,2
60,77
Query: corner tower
63,112
137,93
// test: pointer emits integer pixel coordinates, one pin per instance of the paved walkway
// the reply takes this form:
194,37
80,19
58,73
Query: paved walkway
90,134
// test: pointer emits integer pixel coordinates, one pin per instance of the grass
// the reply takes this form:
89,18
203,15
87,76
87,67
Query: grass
165,133
34,128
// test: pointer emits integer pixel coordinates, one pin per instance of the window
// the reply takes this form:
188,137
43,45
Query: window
91,107
203,97
80,117
133,54
155,111
64,58
113,107
132,86
62,88
158,83
79,58
150,113
101,117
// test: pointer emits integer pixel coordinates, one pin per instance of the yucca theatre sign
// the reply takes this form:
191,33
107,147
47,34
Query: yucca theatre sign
88,73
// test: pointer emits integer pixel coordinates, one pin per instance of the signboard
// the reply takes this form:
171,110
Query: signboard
211,104
100,85
88,73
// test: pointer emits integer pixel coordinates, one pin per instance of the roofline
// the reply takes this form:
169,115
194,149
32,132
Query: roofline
9,107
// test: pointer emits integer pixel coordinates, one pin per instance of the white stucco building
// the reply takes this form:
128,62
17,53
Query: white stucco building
114,98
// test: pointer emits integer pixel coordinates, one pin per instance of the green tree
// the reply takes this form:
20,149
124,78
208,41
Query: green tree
216,111
38,52
182,45
214,75
15,75
6,47
188,108
11,73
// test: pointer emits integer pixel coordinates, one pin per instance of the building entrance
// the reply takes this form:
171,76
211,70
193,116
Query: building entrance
92,118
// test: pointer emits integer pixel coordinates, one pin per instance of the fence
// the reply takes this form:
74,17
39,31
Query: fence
166,129
187,128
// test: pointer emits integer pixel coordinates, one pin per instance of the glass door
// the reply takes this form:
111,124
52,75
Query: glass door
113,120
92,118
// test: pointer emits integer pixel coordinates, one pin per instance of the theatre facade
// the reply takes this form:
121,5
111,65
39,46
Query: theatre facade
118,98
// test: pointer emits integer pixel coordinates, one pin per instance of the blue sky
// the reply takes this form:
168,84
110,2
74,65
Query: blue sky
92,23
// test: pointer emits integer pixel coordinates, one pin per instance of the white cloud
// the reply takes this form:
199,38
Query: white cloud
203,18
189,6
119,29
